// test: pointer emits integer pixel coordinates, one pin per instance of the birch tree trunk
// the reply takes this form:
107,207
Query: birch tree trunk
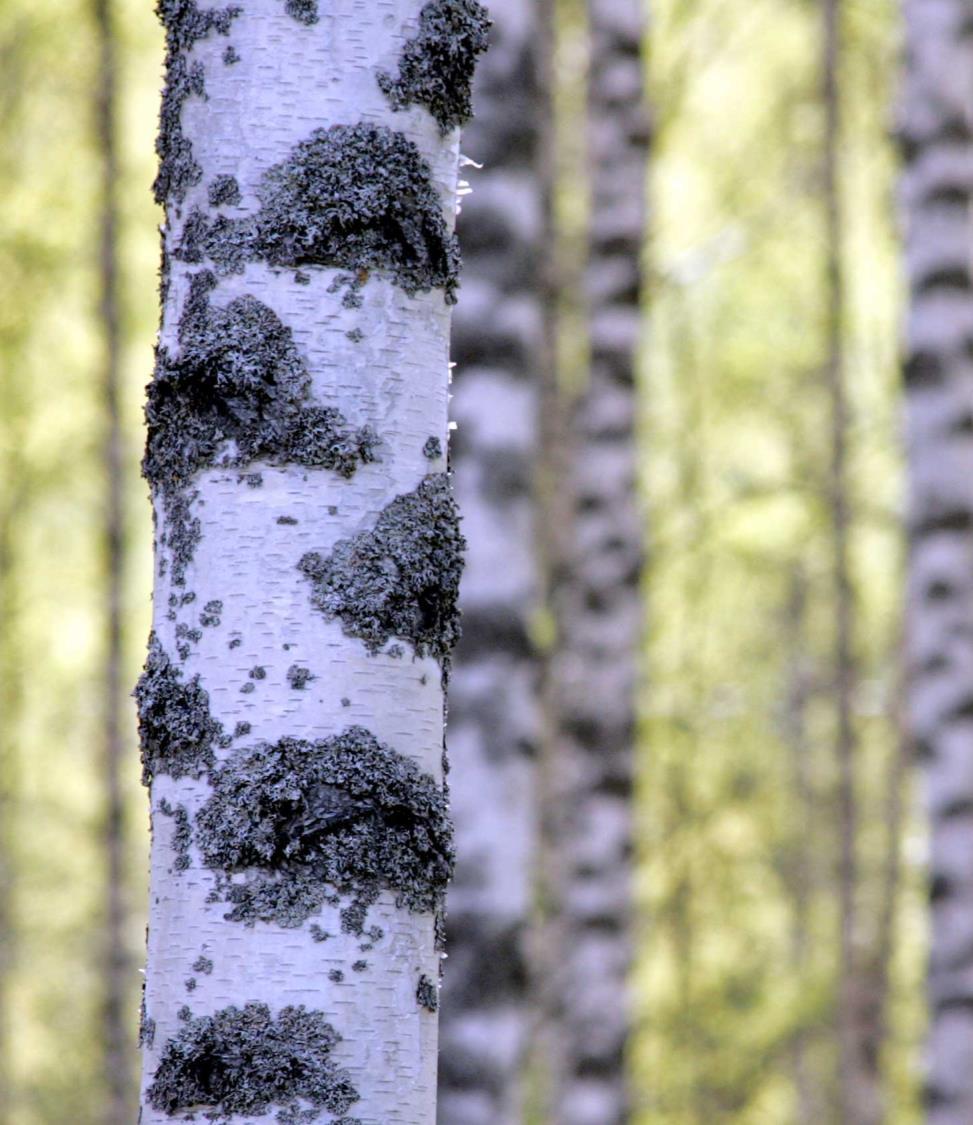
596,600
493,690
937,128
308,557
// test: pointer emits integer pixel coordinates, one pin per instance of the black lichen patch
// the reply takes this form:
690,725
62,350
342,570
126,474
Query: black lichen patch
176,729
182,836
224,191
359,966
245,1061
203,964
301,820
146,1024
210,617
286,520
358,197
230,55
304,11
436,66
336,976
238,391
427,994
185,24
402,578
299,677
433,448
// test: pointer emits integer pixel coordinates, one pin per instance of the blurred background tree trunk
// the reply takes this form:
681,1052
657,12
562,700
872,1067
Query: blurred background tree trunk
937,136
118,1038
485,1016
594,589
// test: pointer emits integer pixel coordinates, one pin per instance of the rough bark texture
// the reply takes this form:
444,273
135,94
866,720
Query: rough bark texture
595,592
307,555
117,1071
493,707
937,131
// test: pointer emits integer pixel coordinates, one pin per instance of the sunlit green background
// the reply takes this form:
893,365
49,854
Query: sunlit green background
731,983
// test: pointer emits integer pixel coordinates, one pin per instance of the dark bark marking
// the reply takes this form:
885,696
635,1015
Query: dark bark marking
185,24
237,392
182,837
306,822
299,677
325,206
401,579
436,66
244,1061
427,994
304,11
224,191
176,729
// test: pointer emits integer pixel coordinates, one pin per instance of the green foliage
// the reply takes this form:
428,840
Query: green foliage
738,840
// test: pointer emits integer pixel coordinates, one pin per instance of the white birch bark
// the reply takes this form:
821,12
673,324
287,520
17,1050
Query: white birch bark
937,128
493,704
598,607
239,615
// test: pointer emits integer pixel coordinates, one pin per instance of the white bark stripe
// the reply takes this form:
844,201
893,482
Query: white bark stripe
285,80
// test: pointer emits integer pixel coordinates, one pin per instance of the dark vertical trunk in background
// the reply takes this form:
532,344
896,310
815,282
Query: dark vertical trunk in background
493,691
937,134
114,958
9,712
852,1092
800,872
595,577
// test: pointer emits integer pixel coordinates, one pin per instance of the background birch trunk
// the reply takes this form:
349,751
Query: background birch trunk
308,557
937,133
493,705
595,599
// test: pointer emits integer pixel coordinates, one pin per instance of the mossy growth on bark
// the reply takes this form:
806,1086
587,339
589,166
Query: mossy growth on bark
185,24
176,730
238,391
352,197
401,579
245,1061
294,824
436,66
304,11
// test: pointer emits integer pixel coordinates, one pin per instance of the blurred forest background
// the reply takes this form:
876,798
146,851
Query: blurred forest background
741,796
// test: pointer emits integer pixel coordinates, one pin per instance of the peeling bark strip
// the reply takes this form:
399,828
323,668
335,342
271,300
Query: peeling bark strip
436,67
301,842
247,1061
355,197
176,730
937,136
299,821
400,579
